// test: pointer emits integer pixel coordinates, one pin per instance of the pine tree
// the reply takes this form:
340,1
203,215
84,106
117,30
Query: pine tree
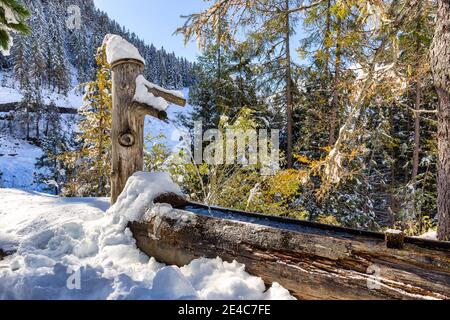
13,17
91,162
20,68
51,171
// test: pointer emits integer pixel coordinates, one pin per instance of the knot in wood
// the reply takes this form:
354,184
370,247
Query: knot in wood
127,140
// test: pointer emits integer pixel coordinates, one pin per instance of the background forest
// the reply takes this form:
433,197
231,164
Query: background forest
355,99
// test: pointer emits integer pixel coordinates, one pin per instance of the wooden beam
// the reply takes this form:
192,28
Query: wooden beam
312,261
167,96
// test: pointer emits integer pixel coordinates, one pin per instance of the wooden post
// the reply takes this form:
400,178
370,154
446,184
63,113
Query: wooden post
127,126
128,122
395,239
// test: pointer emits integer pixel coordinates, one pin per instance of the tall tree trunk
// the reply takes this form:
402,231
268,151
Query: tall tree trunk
418,103
38,119
100,191
219,102
28,123
337,79
440,56
289,107
327,36
416,155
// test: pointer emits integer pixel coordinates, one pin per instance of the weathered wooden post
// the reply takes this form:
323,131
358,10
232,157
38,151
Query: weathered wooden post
133,99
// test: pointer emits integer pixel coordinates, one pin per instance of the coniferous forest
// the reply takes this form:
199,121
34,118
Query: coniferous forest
351,85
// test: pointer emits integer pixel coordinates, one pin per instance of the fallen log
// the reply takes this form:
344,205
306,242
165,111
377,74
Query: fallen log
312,261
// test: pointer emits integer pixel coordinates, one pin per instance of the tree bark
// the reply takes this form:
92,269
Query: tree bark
416,154
440,64
418,103
312,261
127,132
289,107
337,79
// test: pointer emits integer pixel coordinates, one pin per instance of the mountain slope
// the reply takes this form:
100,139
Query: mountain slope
47,68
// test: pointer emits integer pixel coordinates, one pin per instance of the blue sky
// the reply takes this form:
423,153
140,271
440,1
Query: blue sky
155,21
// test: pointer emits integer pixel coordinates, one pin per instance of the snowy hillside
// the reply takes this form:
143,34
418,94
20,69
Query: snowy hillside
17,161
18,157
71,249
73,99
169,129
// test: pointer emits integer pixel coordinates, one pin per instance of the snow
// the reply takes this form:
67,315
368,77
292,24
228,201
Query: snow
10,95
142,95
140,191
72,248
394,231
430,235
142,81
118,49
73,99
17,163
10,16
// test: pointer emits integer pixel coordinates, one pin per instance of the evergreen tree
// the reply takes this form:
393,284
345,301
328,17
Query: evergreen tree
92,162
13,17
51,170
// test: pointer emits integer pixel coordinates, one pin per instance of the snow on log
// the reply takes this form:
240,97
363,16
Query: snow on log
118,49
312,261
45,239
154,96
140,192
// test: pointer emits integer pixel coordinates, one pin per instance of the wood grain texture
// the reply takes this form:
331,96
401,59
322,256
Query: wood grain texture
127,132
312,264
440,65
127,120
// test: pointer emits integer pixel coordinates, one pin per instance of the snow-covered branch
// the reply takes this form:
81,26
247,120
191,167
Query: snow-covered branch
156,97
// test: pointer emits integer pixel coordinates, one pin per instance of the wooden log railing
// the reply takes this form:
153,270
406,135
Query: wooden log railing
313,261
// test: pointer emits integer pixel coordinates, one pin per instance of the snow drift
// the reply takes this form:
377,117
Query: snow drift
71,249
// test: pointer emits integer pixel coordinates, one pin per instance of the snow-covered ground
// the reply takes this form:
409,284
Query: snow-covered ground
74,98
17,163
10,92
80,249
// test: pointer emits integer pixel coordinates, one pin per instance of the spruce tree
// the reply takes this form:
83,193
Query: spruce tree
50,168
13,16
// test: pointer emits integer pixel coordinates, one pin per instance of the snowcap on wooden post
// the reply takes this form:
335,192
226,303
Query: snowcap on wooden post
133,98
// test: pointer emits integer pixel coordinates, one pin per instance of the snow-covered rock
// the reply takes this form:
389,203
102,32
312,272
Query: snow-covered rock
76,249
